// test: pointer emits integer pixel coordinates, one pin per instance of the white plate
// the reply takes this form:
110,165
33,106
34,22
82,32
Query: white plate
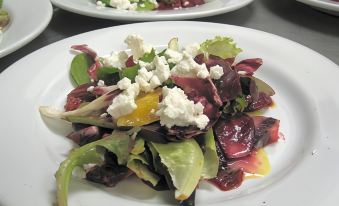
210,8
328,6
27,20
305,169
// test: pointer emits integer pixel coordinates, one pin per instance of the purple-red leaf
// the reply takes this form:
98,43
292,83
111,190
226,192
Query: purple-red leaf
248,65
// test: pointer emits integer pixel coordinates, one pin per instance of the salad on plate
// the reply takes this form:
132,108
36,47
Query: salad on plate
148,5
171,116
4,19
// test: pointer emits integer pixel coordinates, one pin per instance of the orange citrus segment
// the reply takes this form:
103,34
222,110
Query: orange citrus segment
144,114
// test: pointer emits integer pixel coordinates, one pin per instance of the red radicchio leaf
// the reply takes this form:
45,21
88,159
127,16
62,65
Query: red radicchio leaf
235,135
130,62
213,60
197,87
77,96
228,85
248,65
92,71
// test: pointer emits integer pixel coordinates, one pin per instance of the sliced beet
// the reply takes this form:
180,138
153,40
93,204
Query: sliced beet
85,135
235,135
227,179
108,175
266,131
130,62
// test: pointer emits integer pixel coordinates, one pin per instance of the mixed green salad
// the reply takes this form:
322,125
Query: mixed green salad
172,117
4,17
148,5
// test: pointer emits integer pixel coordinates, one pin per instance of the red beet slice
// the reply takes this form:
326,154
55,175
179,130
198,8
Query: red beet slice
266,131
249,65
235,135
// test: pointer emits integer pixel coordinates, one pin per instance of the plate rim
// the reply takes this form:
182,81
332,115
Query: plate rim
5,73
155,17
32,34
321,4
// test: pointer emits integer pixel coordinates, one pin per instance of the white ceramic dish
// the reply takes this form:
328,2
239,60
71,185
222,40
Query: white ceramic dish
327,6
210,8
304,166
27,20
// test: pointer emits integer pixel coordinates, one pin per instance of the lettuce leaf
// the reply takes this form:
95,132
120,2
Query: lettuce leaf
184,161
223,47
211,159
118,143
139,165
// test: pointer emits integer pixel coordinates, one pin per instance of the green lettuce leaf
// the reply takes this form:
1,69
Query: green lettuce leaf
139,165
130,72
79,67
211,159
118,143
184,161
139,146
145,5
223,47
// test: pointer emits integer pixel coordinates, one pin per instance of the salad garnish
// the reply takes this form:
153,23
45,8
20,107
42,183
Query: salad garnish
4,18
173,117
148,5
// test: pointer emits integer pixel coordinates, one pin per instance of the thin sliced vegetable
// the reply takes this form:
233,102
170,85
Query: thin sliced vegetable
139,165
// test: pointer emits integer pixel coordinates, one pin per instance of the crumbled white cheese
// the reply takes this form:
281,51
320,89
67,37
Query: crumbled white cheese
149,80
116,59
103,115
121,105
162,70
100,4
124,83
143,79
216,72
101,83
90,88
124,103
122,4
148,65
189,68
173,56
137,46
192,49
176,109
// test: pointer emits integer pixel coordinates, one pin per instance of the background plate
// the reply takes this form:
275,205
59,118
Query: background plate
210,8
27,20
327,6
303,166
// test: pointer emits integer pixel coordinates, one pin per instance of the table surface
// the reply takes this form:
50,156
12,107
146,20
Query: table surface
287,18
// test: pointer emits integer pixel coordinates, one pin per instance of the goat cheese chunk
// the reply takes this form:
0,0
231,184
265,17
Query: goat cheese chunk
122,5
192,49
173,56
137,46
124,103
216,72
176,109
189,68
116,59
